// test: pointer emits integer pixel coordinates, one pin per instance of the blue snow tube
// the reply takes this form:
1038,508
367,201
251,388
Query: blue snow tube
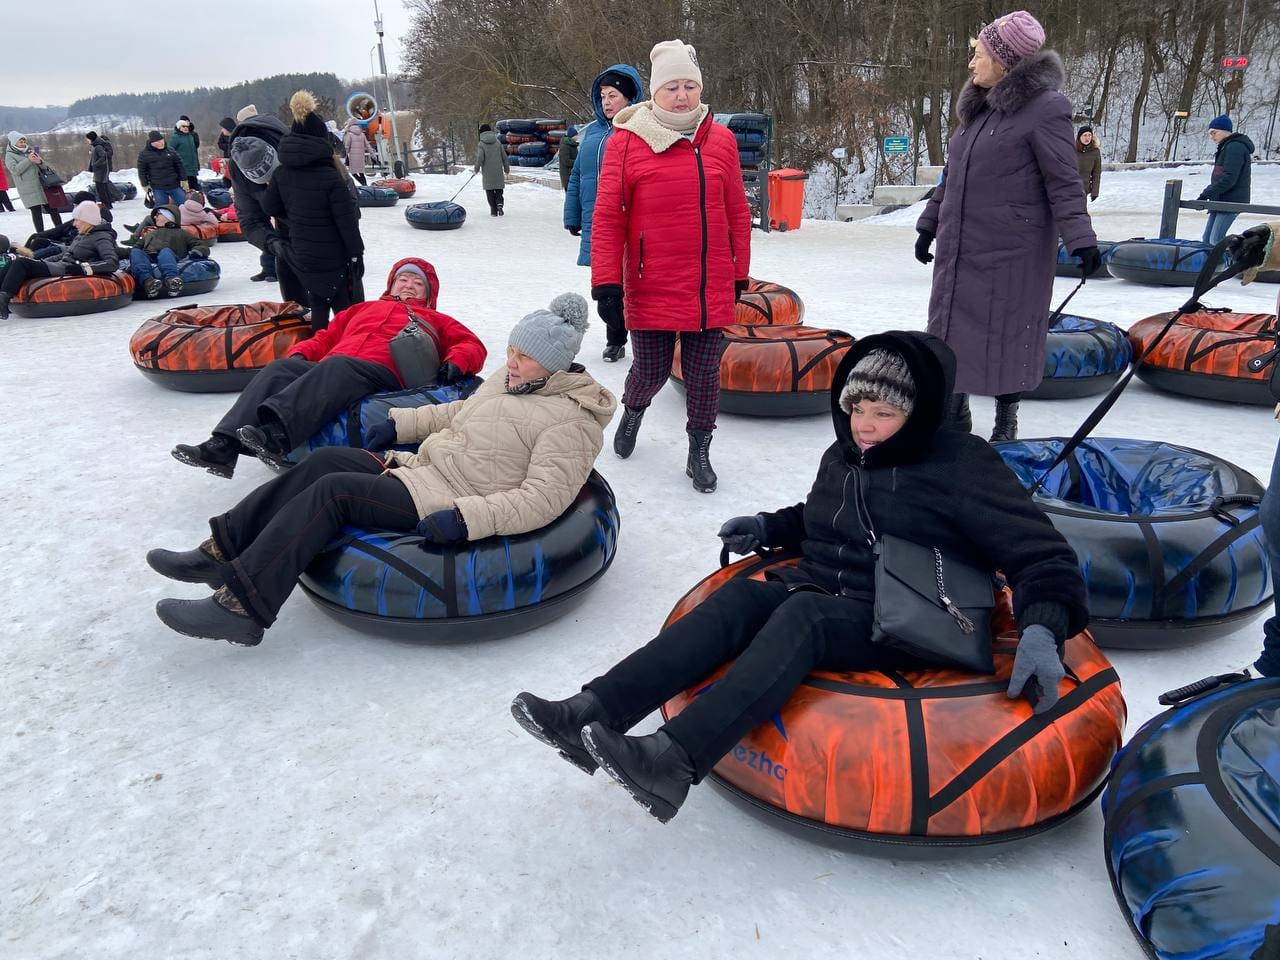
198,276
436,215
1167,261
121,190
1083,356
523,127
376,196
746,122
1192,825
535,149
518,161
207,185
219,199
387,583
1169,539
350,429
1069,266
750,157
749,138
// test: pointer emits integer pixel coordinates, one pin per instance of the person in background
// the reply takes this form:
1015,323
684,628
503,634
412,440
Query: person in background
157,248
566,155
101,157
1231,176
253,160
614,89
186,145
23,163
194,213
5,203
491,158
160,172
356,148
225,126
92,252
1089,162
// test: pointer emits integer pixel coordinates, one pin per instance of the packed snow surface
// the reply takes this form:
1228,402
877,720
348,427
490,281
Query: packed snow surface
328,794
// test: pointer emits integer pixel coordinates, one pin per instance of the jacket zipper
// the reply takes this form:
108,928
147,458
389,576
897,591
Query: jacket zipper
702,211
640,266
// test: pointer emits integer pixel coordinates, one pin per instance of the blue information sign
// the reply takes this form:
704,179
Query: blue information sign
897,145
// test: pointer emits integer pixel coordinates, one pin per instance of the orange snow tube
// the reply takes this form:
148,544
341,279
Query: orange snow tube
770,304
216,349
776,371
205,231
229,231
406,188
927,758
1206,354
73,296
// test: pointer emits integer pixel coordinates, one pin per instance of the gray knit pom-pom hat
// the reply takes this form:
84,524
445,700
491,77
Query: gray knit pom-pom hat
880,375
553,337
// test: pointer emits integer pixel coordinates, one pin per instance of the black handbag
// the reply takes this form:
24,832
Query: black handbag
50,177
933,607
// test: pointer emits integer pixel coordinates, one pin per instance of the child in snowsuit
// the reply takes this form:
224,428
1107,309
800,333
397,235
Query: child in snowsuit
158,245
891,471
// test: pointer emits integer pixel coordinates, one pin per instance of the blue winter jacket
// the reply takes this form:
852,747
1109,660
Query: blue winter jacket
580,198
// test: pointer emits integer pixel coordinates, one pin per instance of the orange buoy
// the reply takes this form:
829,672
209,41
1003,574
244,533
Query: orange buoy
932,757
406,188
1206,354
769,304
73,296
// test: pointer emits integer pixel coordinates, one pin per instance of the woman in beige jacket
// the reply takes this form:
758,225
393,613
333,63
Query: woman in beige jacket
507,460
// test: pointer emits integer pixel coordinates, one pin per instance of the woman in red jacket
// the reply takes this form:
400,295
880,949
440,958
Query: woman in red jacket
671,236
293,397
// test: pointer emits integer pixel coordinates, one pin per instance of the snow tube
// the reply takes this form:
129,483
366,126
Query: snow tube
747,122
1083,356
750,157
1206,354
749,138
549,123
376,196
386,583
73,296
122,189
208,232
1169,539
1168,262
405,188
519,127
775,371
437,215
198,276
928,758
206,185
229,231
514,139
1069,266
536,149
770,304
350,429
216,349
219,199
1192,826
528,161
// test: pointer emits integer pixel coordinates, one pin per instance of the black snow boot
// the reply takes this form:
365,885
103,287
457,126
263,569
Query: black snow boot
957,416
1006,427
624,441
220,617
218,455
173,287
615,352
151,287
699,465
260,276
559,723
655,770
4,306
201,565
268,443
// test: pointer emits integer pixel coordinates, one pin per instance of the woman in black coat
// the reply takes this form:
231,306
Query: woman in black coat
891,471
312,191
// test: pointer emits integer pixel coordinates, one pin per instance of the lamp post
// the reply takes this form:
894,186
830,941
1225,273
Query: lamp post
391,106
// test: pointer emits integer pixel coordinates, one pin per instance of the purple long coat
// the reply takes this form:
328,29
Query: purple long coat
1010,188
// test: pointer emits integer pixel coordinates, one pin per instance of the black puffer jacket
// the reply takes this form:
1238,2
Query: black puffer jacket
160,169
934,487
310,192
97,248
101,154
255,223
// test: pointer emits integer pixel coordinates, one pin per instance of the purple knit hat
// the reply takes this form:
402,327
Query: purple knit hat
1010,38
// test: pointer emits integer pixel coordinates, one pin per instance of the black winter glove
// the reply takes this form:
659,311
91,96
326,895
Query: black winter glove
1037,668
1090,260
381,436
739,288
275,247
449,373
442,527
924,240
609,309
576,231
1251,246
743,534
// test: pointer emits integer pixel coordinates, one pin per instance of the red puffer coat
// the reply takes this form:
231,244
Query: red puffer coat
671,228
365,330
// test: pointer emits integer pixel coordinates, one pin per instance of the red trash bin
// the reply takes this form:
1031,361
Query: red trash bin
786,198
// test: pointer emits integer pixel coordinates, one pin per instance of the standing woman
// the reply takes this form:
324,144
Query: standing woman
1008,191
491,158
355,146
1089,162
187,146
312,192
23,165
671,238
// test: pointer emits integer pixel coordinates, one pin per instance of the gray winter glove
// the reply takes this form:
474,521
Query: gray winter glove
743,534
1037,668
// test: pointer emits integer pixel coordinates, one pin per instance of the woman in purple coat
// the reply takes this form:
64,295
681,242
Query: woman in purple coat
1009,190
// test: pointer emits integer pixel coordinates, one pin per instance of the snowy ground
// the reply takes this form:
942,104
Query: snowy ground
331,795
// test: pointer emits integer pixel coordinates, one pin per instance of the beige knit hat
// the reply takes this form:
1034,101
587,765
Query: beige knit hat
673,60
246,113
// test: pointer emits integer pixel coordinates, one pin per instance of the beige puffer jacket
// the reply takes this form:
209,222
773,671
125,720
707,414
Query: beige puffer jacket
514,462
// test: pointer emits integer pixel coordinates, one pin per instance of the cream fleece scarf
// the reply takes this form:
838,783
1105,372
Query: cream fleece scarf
646,121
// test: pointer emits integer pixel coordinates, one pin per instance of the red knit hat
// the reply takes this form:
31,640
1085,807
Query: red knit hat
1010,38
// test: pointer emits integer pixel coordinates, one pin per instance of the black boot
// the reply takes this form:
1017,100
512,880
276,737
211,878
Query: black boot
957,416
559,723
220,617
624,441
260,276
201,565
151,287
4,306
217,455
655,769
1006,427
615,352
268,443
699,465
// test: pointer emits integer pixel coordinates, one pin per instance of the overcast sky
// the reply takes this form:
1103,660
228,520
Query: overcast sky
60,51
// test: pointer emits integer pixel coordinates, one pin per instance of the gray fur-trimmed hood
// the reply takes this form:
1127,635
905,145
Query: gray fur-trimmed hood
1031,77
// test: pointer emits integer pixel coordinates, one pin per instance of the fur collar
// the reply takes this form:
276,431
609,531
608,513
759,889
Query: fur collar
1031,77
639,119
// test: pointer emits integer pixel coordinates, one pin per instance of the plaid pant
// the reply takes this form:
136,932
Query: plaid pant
652,352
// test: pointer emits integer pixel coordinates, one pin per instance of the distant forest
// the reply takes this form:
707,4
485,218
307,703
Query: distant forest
29,119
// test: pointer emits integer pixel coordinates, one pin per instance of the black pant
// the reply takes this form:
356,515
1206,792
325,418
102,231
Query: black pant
22,270
777,637
361,178
323,307
103,189
495,200
193,183
271,535
37,216
615,334
302,396
5,202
